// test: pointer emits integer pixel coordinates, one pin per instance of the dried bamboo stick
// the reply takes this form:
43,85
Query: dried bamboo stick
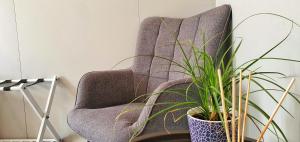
276,110
246,107
233,102
240,106
223,106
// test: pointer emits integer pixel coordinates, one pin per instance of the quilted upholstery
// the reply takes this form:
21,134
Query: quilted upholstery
157,40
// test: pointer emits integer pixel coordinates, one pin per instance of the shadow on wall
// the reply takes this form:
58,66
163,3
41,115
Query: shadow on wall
68,85
64,83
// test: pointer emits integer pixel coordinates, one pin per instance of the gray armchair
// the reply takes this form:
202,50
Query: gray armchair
103,95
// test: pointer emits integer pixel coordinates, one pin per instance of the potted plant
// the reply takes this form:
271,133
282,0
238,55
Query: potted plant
206,119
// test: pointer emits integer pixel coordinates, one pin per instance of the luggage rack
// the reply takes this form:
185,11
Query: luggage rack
22,85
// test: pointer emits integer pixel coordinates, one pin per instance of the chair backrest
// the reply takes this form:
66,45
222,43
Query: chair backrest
157,40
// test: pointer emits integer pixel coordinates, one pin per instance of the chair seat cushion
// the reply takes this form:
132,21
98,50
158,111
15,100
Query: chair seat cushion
111,124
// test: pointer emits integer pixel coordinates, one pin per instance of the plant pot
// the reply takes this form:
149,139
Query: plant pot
204,130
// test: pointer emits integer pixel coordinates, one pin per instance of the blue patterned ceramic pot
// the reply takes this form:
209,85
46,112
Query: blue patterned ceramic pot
204,130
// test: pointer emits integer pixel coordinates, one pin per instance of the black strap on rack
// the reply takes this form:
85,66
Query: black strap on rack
7,88
36,82
5,81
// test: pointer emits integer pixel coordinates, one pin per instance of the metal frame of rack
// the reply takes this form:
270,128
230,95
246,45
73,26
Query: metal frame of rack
22,85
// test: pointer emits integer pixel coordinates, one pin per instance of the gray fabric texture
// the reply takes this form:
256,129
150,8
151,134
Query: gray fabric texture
102,95
157,42
102,125
100,89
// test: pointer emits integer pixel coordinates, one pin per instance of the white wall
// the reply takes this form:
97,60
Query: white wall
9,68
68,38
261,33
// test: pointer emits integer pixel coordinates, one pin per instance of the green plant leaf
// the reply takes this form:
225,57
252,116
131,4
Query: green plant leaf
270,95
256,107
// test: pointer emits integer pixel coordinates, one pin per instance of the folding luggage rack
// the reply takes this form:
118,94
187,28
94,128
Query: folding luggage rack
22,85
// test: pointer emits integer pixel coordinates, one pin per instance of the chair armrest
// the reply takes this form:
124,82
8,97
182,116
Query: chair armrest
100,89
152,107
